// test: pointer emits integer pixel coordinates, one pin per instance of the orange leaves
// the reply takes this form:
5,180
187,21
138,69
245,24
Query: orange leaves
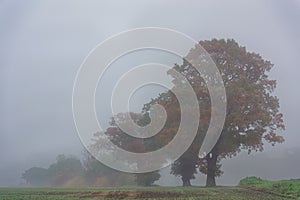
273,138
279,121
252,109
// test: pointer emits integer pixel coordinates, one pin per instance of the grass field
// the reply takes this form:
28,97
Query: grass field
233,193
285,187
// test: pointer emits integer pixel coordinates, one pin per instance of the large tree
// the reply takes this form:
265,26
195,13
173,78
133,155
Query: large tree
252,117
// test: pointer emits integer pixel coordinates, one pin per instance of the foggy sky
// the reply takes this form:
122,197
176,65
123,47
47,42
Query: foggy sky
43,43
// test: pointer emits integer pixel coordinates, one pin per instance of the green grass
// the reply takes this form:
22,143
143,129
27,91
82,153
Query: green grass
233,193
285,187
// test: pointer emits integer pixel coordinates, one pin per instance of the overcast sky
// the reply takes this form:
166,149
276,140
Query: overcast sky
43,43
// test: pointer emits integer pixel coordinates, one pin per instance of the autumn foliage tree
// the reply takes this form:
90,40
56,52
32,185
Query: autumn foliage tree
252,117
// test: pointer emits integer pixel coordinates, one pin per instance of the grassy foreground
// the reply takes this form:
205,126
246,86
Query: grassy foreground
285,187
233,193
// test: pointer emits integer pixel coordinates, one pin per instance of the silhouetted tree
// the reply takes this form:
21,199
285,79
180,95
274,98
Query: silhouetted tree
185,167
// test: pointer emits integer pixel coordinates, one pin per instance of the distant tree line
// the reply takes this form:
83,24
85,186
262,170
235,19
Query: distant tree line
57,174
69,171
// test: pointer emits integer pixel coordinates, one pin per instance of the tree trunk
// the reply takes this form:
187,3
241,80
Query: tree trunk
211,170
186,182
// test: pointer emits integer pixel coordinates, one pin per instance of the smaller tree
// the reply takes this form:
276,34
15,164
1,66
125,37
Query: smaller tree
36,176
98,174
129,143
64,169
185,167
147,179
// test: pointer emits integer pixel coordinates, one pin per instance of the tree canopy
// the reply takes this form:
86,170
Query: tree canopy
252,119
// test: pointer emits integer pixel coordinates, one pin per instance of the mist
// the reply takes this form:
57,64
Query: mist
43,44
